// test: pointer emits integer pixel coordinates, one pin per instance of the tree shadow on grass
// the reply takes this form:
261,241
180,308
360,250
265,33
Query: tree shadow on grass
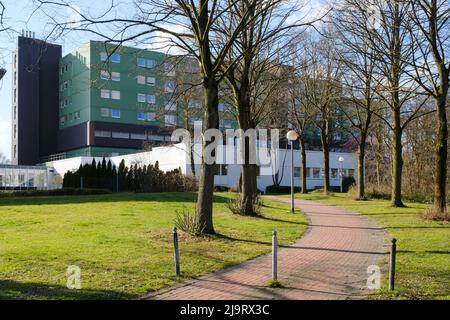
188,197
14,290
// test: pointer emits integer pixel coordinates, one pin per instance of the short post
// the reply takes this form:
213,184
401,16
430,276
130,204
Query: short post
176,252
392,265
81,183
274,256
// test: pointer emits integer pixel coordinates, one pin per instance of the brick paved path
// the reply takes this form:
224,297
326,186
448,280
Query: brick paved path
329,262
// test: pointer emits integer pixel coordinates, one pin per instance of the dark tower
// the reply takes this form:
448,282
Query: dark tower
35,95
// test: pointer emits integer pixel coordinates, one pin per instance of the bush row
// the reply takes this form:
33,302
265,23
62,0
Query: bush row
56,192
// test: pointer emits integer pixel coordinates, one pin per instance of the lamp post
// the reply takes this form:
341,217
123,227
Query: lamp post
292,136
341,161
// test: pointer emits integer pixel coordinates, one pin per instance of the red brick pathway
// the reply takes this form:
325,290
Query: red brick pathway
329,262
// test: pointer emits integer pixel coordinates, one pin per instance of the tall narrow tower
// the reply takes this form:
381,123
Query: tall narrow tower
35,100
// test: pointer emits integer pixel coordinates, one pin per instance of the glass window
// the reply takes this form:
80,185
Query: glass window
334,173
141,80
77,115
151,116
115,113
297,172
115,95
115,58
63,120
195,104
115,76
102,134
141,116
137,136
105,112
141,62
222,107
170,105
221,170
103,56
169,69
105,94
351,173
170,120
151,81
151,99
151,63
121,135
169,86
316,173
142,97
104,75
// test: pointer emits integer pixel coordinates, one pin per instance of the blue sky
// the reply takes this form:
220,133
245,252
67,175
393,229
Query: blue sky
20,15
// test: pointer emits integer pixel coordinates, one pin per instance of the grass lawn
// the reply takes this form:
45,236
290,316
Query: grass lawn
423,247
123,243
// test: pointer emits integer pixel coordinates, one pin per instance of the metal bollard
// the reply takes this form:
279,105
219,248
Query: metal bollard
392,265
176,252
274,256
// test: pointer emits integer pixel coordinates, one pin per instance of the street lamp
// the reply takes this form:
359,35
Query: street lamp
292,136
341,161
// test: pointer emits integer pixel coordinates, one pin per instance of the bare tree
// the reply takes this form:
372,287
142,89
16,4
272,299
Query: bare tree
183,24
430,35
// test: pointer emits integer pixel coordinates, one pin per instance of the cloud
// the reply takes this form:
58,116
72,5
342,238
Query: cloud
5,138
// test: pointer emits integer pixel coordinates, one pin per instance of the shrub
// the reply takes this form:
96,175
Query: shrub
187,222
348,182
433,215
221,189
235,206
276,189
56,192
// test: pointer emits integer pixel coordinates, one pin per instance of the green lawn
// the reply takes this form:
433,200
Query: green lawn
423,259
122,243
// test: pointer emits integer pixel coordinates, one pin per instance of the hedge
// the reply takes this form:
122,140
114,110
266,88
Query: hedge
56,192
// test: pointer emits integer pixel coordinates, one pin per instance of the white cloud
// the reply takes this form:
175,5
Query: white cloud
5,138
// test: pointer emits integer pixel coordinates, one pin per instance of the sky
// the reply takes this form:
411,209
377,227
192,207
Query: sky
21,15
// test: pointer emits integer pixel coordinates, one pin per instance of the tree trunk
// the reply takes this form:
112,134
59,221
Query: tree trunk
397,163
303,162
326,163
206,183
441,170
361,170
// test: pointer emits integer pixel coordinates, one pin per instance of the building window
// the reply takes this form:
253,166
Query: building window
65,85
141,116
221,170
62,121
15,151
15,131
151,99
151,116
222,107
121,135
115,95
351,173
141,80
297,172
115,114
105,112
137,136
170,120
115,76
151,81
316,173
227,124
169,69
151,63
105,94
170,106
76,115
103,56
141,62
195,104
102,134
334,173
104,75
115,58
142,97
169,86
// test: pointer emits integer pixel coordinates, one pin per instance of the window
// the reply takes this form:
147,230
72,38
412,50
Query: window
15,131
221,170
103,56
169,69
142,97
63,120
227,124
151,116
104,75
115,95
151,99
121,135
115,114
105,94
351,173
297,172
169,86
115,58
170,120
141,62
141,80
76,115
170,106
195,104
137,136
151,63
66,85
151,81
316,173
105,112
141,116
334,173
308,173
15,151
115,76
222,107
102,134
